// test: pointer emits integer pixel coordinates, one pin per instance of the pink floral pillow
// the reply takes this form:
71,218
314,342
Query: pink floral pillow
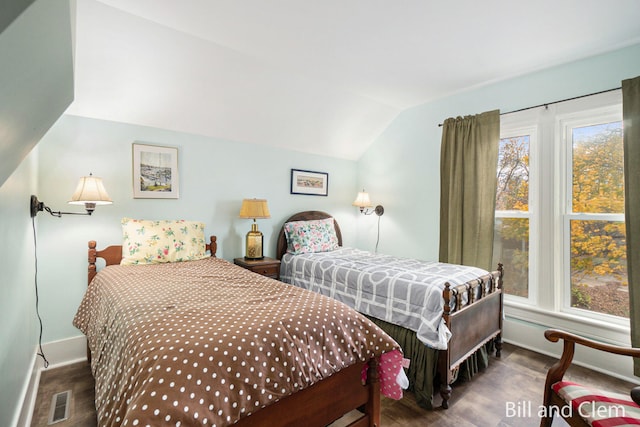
311,236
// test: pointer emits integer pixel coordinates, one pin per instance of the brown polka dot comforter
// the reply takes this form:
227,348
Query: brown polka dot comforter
207,342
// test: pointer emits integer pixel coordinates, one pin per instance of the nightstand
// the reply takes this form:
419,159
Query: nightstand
266,266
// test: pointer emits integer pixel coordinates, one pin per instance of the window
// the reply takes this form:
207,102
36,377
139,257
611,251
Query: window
560,210
593,226
511,239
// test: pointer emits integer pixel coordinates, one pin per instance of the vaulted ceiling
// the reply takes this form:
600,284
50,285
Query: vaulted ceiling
324,77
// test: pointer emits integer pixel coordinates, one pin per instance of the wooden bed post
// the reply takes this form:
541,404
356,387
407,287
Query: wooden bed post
447,302
92,255
92,261
372,408
498,340
213,246
444,361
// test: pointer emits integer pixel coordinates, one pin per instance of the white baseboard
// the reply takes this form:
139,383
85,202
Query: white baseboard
58,353
531,336
22,417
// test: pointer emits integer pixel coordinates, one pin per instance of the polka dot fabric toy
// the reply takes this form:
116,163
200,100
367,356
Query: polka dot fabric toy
206,343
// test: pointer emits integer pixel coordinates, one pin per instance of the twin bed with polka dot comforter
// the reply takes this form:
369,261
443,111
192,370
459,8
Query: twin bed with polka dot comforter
208,343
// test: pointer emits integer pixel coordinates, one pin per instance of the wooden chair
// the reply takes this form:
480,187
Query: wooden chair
578,404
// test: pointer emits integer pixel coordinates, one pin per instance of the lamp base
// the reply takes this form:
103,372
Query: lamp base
254,244
379,210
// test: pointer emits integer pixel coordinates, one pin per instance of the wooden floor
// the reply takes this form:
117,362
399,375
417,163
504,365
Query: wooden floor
499,396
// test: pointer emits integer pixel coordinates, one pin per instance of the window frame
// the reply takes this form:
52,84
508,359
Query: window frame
514,127
544,306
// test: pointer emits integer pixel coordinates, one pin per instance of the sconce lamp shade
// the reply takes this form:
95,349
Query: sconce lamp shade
90,189
362,201
90,192
254,209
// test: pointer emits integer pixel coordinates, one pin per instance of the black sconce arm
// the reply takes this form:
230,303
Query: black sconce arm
37,206
378,210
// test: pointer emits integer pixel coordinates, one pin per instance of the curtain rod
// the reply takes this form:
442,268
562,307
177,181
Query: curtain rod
555,102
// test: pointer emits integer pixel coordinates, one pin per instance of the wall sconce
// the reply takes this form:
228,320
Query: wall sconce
363,202
254,209
90,192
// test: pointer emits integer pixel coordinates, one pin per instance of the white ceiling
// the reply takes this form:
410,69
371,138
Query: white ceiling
324,77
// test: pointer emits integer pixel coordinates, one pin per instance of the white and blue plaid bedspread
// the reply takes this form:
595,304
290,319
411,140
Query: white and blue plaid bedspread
405,292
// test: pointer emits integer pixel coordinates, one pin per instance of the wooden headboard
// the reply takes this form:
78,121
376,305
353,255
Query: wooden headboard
113,254
303,216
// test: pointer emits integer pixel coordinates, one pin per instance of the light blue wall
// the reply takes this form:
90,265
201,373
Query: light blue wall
401,170
215,176
18,325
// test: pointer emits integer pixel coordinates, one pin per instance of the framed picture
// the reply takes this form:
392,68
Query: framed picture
309,182
155,172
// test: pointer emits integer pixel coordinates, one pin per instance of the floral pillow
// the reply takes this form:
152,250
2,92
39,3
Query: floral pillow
152,242
311,236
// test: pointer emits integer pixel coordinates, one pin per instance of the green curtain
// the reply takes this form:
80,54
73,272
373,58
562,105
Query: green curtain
631,124
468,161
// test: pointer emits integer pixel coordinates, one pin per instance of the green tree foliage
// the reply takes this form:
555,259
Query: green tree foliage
598,171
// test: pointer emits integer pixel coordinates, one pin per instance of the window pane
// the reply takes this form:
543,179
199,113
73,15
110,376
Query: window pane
598,169
513,174
511,248
599,267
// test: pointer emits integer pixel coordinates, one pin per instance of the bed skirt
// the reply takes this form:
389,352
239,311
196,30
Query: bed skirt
422,372
424,362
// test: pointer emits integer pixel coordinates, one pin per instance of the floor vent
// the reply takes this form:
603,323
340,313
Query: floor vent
60,403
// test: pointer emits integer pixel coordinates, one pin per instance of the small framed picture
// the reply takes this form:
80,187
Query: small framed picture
309,182
155,172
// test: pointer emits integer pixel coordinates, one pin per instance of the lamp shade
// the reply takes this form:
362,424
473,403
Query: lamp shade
362,201
90,190
254,208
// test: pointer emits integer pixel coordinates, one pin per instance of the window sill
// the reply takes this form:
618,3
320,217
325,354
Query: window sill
609,332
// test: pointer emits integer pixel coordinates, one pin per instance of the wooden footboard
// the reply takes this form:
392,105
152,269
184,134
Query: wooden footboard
325,402
474,319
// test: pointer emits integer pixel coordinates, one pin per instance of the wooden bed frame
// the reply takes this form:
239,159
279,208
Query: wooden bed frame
472,325
318,405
